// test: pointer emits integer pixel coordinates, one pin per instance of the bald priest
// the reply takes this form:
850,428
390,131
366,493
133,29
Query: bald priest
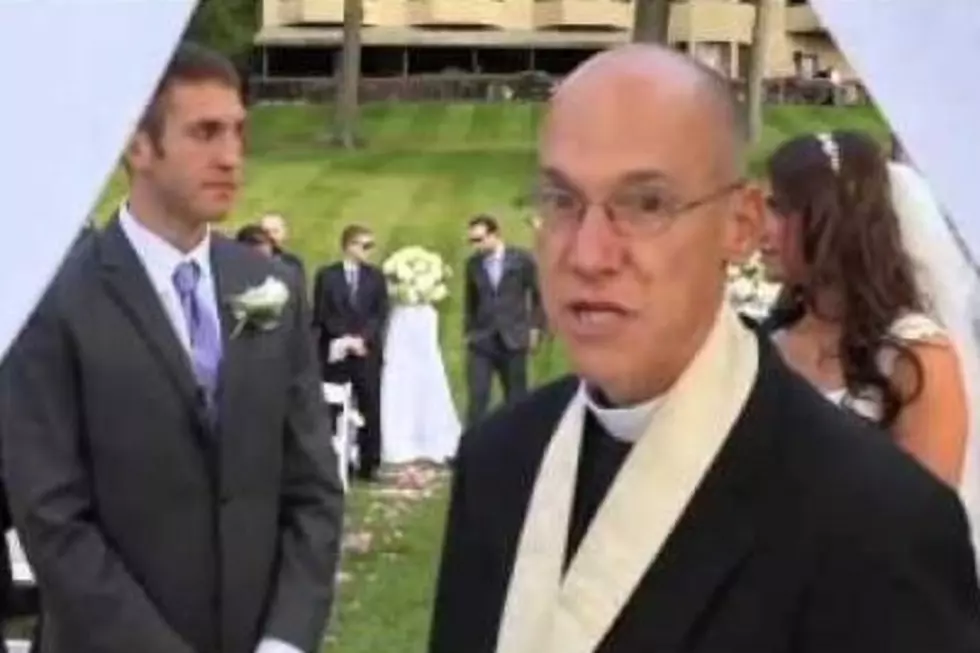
685,491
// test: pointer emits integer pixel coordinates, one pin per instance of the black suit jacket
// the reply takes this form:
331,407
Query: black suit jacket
294,265
291,260
148,528
335,314
811,532
511,309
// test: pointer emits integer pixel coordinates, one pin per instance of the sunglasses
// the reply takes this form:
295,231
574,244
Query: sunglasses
367,245
476,240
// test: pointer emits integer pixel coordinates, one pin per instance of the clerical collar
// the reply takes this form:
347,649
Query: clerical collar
625,424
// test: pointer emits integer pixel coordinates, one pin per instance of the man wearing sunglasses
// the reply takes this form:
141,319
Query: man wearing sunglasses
350,309
503,318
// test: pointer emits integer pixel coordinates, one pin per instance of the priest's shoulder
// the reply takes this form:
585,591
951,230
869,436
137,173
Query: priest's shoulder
524,425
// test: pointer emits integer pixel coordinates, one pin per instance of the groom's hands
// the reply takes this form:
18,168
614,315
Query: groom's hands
357,346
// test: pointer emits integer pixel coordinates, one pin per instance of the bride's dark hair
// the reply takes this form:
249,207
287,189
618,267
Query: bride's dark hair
837,186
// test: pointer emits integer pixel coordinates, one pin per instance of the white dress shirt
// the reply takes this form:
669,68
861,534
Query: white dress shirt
352,271
625,424
160,259
495,265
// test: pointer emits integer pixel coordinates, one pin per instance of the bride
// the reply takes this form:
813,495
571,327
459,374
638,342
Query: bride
874,310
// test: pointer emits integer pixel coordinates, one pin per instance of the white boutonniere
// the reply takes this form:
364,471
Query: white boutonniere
259,307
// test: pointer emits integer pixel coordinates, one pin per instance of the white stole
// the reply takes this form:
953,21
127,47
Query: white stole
545,613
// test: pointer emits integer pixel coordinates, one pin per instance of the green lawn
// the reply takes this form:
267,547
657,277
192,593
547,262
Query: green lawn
428,168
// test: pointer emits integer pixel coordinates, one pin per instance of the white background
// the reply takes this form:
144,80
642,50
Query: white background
75,75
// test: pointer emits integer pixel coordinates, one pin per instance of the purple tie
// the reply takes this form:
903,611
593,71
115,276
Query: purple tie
203,329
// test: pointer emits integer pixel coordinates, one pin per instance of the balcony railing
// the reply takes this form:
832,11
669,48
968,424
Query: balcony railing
332,12
321,11
613,14
455,12
531,86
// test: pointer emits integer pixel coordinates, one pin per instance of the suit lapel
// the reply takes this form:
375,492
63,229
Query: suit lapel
130,287
341,285
231,277
510,263
718,529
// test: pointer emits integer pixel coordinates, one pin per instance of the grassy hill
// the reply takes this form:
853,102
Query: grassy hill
428,168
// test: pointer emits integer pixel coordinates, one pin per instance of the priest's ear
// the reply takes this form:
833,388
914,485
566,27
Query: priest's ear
745,224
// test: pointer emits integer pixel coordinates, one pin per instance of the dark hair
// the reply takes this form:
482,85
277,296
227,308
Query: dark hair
191,63
351,233
851,243
253,234
487,221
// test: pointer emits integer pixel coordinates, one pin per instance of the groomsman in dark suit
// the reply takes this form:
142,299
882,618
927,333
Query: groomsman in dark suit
503,318
165,443
350,311
257,238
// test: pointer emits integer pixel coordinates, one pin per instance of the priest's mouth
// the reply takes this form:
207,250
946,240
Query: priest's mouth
596,317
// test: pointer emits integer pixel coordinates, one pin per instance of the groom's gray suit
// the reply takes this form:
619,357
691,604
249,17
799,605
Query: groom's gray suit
152,528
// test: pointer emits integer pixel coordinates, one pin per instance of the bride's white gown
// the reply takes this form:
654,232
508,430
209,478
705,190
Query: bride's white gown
418,418
910,328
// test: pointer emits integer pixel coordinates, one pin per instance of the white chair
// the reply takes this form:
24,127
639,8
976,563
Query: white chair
23,576
341,396
19,567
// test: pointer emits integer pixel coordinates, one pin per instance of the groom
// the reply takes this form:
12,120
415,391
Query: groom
689,494
165,447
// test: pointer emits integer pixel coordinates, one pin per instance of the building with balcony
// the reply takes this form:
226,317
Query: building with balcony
302,38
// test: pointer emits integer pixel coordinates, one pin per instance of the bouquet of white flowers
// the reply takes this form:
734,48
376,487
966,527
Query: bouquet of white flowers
749,291
416,276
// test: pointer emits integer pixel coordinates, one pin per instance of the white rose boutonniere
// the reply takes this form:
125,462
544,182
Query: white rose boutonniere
259,307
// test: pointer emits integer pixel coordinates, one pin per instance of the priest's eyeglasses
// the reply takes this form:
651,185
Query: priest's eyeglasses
632,211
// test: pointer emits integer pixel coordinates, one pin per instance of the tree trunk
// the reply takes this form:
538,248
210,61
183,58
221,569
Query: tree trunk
758,60
651,19
347,109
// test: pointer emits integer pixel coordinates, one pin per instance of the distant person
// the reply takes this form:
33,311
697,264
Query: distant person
350,311
275,226
503,318
257,238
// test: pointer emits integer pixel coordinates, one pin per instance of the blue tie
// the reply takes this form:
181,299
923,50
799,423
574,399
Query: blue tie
203,329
